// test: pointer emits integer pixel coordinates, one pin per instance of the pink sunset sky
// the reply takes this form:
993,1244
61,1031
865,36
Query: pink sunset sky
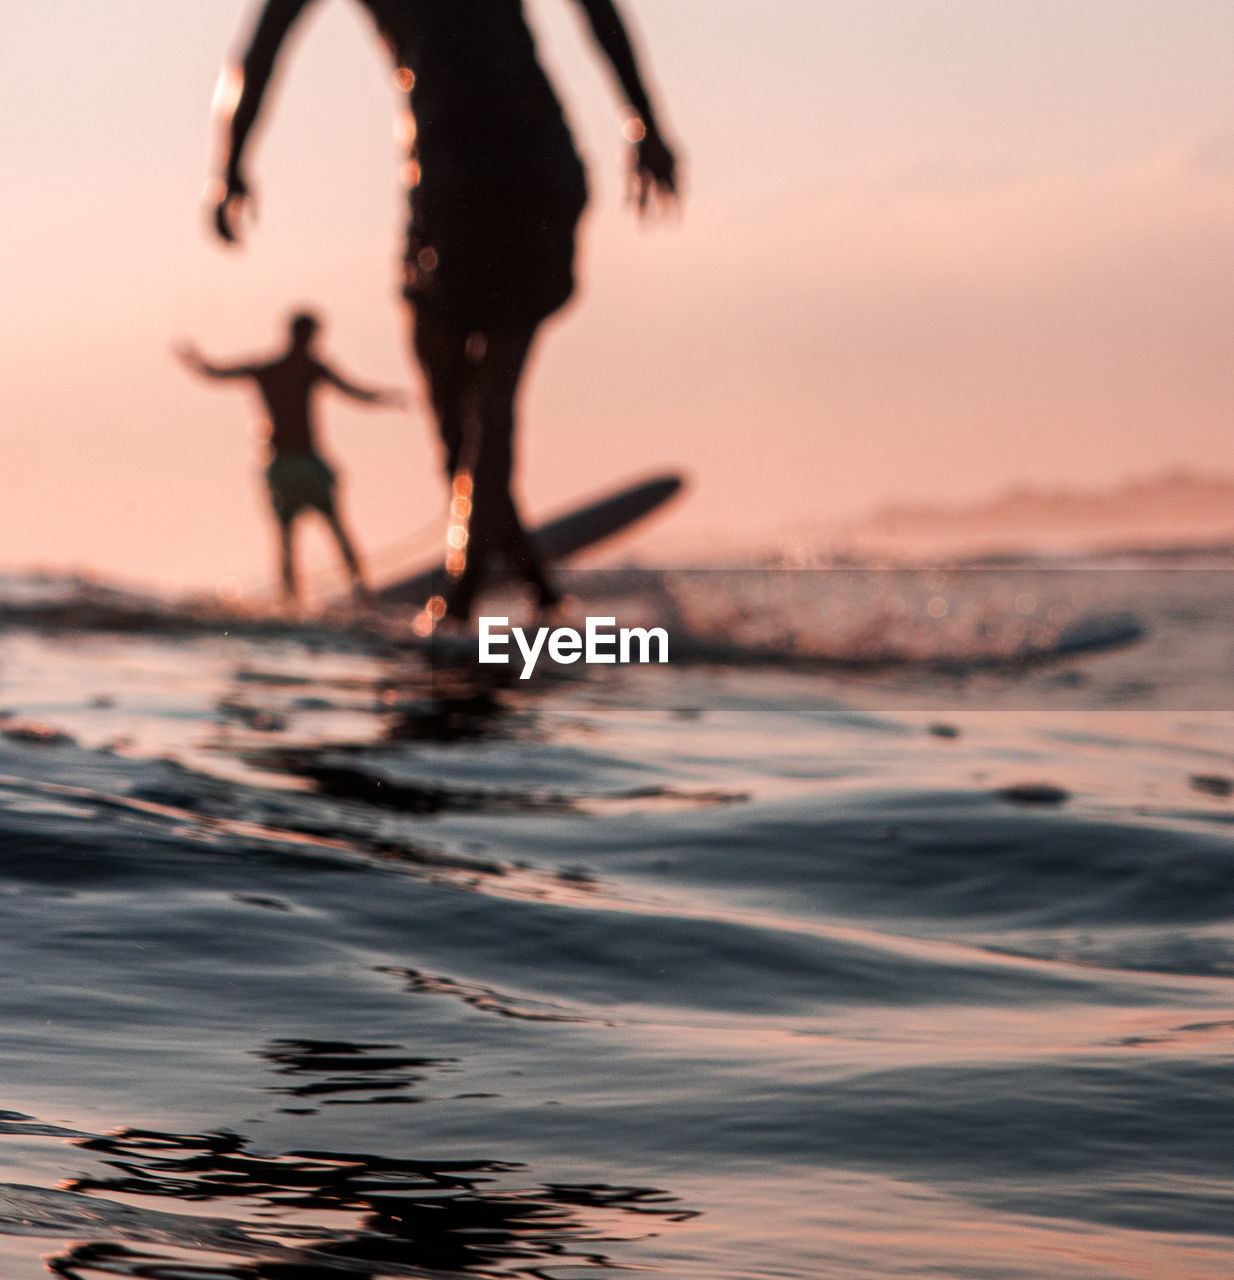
929,248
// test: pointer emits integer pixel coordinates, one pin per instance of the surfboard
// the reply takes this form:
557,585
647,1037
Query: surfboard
559,538
1091,634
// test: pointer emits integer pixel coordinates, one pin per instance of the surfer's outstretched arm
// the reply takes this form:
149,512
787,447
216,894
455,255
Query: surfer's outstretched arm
655,165
241,93
389,399
189,356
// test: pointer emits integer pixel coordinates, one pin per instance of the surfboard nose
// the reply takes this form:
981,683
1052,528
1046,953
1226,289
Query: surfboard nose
660,488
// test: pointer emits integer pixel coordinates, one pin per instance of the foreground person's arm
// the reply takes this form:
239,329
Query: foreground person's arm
655,165
241,92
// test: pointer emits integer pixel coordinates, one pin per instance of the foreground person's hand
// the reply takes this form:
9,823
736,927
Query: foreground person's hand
230,197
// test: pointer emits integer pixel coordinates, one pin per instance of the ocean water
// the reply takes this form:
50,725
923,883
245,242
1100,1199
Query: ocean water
860,940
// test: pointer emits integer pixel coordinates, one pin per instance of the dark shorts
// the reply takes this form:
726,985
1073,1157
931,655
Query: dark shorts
491,242
298,481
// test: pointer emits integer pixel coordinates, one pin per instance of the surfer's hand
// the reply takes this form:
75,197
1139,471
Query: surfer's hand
655,168
188,354
229,196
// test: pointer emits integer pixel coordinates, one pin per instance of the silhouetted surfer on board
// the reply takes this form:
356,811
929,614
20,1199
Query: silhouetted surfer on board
497,192
298,477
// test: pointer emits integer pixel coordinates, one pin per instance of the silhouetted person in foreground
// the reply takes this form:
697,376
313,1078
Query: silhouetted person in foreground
497,192
298,476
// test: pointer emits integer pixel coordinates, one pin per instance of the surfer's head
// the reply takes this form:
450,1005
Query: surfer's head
304,326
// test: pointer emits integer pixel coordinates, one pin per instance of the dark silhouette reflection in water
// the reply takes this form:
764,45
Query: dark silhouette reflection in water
466,715
323,1069
443,1216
